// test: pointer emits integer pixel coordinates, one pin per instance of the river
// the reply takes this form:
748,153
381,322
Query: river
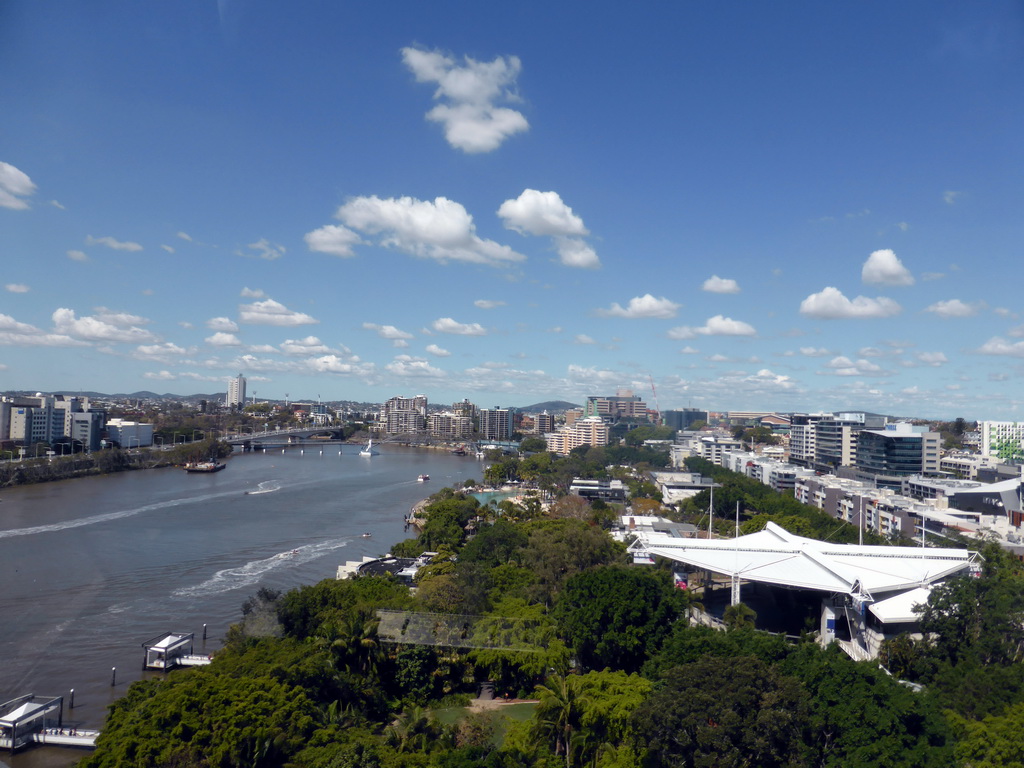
92,568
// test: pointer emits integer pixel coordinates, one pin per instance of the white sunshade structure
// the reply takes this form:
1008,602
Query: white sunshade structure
775,556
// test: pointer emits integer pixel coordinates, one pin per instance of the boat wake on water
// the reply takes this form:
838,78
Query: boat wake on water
250,573
267,486
108,516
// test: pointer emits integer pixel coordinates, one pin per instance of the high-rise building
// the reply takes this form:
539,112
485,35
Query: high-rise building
590,430
236,392
544,423
681,420
403,415
450,426
898,450
1003,440
495,423
623,405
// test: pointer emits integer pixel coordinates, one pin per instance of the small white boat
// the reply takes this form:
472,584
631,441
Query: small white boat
423,478
368,450
366,535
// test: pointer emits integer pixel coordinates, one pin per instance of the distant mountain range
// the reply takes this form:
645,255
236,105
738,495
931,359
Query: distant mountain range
551,406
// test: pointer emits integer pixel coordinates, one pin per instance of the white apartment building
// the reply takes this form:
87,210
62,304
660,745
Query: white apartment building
450,426
590,430
236,392
401,415
495,423
1003,439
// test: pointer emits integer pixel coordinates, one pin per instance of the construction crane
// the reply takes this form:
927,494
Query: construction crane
657,410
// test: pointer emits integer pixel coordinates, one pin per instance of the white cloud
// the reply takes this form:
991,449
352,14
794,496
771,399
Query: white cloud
310,345
252,293
13,332
952,308
716,284
468,94
167,248
222,324
448,325
715,326
995,346
884,268
813,351
441,230
185,236
17,288
574,252
57,205
117,245
541,213
333,239
405,365
387,331
717,358
159,376
77,256
932,358
270,312
114,327
544,214
830,303
688,350
844,366
437,351
582,338
950,196
119,319
14,186
264,249
929,276
642,306
222,339
160,352
488,303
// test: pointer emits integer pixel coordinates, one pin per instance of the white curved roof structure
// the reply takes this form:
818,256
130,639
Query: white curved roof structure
775,556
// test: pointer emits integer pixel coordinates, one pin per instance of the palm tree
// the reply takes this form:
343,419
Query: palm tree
559,712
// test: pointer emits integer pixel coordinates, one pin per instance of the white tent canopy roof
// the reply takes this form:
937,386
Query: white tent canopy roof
900,608
775,556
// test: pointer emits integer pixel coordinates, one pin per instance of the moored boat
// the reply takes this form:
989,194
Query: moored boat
204,466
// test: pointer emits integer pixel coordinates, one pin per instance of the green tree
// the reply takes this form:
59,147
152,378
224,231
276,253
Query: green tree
727,712
615,617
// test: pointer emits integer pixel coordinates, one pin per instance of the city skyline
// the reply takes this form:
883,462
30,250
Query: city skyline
795,208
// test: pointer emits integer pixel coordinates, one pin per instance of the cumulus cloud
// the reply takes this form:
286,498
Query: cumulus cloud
167,248
222,339
333,239
844,366
252,293
642,306
996,346
16,288
544,214
488,303
15,333
441,229
270,312
222,324
448,325
950,196
405,365
15,186
716,284
57,205
387,331
185,236
264,249
952,308
884,268
830,303
160,352
688,350
310,345
469,95
110,242
932,358
77,256
105,326
437,351
715,326
582,338
159,376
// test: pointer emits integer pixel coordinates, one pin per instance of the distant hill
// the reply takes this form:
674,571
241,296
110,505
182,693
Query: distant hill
551,406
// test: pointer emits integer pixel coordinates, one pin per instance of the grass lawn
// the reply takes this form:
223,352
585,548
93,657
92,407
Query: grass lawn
507,714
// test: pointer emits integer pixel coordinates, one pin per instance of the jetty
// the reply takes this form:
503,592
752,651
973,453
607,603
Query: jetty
173,649
32,719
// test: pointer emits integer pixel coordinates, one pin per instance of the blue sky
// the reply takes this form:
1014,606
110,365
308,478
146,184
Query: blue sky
779,206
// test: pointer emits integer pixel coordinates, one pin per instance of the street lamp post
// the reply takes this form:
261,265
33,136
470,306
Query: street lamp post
138,442
161,439
194,434
182,438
